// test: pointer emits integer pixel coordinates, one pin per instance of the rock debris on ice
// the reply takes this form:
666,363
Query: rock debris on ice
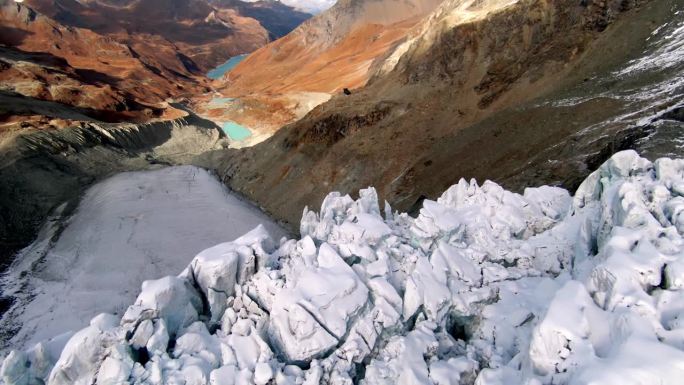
484,287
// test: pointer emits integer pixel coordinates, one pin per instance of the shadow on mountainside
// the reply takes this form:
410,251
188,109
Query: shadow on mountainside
11,36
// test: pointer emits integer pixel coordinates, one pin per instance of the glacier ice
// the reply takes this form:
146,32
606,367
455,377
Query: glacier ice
483,287
128,228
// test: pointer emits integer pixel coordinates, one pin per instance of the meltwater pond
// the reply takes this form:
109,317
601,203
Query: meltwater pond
236,131
219,71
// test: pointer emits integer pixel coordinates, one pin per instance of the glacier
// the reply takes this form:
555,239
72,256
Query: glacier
484,287
131,227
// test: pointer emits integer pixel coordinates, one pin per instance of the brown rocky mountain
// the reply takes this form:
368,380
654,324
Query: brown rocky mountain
524,93
207,34
85,75
277,18
111,61
337,49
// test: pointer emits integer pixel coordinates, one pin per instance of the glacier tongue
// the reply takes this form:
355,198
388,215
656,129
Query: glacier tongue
484,287
131,227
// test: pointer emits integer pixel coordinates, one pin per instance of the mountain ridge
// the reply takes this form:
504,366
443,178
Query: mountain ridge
206,34
284,80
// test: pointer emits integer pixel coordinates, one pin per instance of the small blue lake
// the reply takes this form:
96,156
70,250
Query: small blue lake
219,71
235,131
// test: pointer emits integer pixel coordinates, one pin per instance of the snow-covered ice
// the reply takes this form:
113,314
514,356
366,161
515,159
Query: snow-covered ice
484,287
129,228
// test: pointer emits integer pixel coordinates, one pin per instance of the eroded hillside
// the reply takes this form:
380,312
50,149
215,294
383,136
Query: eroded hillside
52,74
63,62
205,33
337,49
535,92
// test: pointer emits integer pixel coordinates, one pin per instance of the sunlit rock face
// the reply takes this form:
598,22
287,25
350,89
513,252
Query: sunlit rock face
203,33
336,49
66,62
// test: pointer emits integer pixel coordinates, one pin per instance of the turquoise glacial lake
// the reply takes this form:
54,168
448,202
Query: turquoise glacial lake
219,71
235,131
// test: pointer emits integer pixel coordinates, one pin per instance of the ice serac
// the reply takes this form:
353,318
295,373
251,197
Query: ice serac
483,287
88,354
217,270
127,229
171,299
312,317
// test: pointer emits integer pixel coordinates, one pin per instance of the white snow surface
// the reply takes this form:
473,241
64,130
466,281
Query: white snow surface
127,229
484,287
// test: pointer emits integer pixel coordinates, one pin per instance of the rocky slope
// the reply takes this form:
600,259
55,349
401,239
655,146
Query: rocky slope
534,92
331,51
276,17
334,50
483,287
